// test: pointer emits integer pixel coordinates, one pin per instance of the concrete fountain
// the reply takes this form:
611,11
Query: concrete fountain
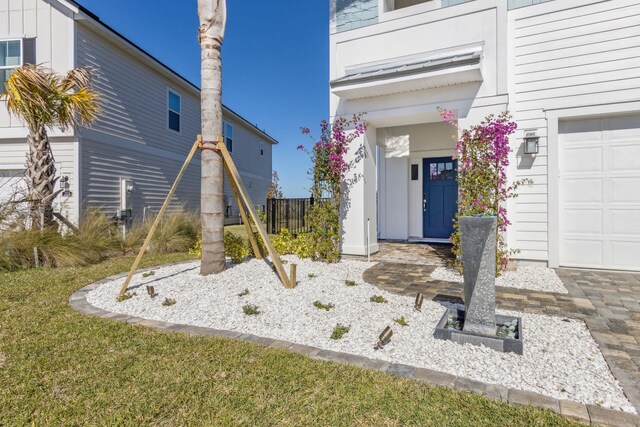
477,323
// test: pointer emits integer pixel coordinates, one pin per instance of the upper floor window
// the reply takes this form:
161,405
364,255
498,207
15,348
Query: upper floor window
228,136
10,58
173,110
262,148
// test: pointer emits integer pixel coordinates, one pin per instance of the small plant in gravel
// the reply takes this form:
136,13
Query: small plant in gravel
312,276
250,310
351,283
322,306
148,274
126,296
244,293
339,331
378,299
168,302
401,321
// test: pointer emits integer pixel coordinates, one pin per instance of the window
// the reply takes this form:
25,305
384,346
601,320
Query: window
173,108
262,148
228,136
10,58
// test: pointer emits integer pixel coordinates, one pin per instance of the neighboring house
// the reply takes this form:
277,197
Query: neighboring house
569,72
149,120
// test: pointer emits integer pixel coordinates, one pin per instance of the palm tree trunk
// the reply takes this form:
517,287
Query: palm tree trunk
212,15
41,177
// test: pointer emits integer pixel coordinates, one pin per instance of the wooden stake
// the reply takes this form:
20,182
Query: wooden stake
292,275
145,245
243,214
235,177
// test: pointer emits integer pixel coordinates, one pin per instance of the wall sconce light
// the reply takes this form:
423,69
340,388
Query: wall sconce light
531,143
419,299
384,338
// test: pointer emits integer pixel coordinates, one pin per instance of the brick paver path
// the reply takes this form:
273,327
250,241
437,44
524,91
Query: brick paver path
608,302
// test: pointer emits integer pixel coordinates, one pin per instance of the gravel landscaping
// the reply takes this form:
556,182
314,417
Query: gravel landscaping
560,359
540,279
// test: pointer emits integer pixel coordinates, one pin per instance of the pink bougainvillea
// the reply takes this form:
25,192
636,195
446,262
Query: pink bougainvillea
482,152
330,183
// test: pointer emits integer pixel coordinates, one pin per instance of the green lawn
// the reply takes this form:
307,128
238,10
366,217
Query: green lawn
59,367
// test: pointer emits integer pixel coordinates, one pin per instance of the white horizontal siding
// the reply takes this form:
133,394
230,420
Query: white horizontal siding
35,19
564,54
13,156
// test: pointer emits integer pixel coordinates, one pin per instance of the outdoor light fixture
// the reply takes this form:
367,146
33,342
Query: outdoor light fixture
531,143
151,291
384,338
419,299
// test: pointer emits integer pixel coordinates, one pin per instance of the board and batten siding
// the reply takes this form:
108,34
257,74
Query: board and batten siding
35,19
564,54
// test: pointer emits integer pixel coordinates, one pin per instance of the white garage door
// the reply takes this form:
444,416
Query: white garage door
11,180
599,193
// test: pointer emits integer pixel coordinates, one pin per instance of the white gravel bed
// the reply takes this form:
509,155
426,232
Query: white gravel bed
560,358
540,279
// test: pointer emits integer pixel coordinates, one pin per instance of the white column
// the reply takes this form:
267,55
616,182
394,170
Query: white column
360,207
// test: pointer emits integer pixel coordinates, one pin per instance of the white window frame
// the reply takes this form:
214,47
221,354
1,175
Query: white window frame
11,67
168,109
224,135
262,148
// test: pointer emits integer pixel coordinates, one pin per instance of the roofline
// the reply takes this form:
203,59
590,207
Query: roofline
97,20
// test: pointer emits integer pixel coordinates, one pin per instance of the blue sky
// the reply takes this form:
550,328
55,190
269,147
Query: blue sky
275,63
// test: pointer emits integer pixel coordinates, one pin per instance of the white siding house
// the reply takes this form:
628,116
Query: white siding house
150,117
568,70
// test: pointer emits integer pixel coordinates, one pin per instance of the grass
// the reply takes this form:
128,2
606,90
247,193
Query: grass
339,331
379,299
60,367
250,310
351,283
321,306
401,321
168,302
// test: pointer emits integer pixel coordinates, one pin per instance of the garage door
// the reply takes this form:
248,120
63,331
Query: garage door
599,193
11,180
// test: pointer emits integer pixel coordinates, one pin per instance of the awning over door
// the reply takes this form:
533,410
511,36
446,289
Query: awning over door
410,74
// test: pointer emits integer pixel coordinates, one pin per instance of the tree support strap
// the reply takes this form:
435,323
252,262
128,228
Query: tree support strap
242,198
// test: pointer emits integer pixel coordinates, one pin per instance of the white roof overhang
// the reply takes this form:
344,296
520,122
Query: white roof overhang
425,72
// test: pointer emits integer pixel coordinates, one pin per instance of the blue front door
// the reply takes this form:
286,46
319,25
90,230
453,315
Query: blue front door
440,197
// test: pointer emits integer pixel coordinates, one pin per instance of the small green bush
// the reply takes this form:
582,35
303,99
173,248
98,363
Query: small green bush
304,246
312,276
379,299
126,296
148,274
401,321
168,302
235,248
339,331
351,283
250,310
283,243
321,306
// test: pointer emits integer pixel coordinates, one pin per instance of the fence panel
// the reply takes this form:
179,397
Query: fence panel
288,213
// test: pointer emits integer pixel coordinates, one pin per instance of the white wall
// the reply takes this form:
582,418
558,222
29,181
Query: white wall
564,54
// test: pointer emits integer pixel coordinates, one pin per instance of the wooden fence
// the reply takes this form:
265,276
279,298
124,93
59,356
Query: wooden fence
288,213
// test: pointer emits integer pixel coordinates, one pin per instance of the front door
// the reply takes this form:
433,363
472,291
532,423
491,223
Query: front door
440,197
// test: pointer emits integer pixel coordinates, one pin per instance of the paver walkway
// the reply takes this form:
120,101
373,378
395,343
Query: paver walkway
608,302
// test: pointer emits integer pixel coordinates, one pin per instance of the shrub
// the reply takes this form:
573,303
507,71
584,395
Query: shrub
250,310
401,321
339,331
126,296
312,275
235,248
304,246
259,241
168,302
379,299
351,283
283,243
177,232
321,306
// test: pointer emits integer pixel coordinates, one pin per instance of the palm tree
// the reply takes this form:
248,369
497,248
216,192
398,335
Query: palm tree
212,14
45,100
